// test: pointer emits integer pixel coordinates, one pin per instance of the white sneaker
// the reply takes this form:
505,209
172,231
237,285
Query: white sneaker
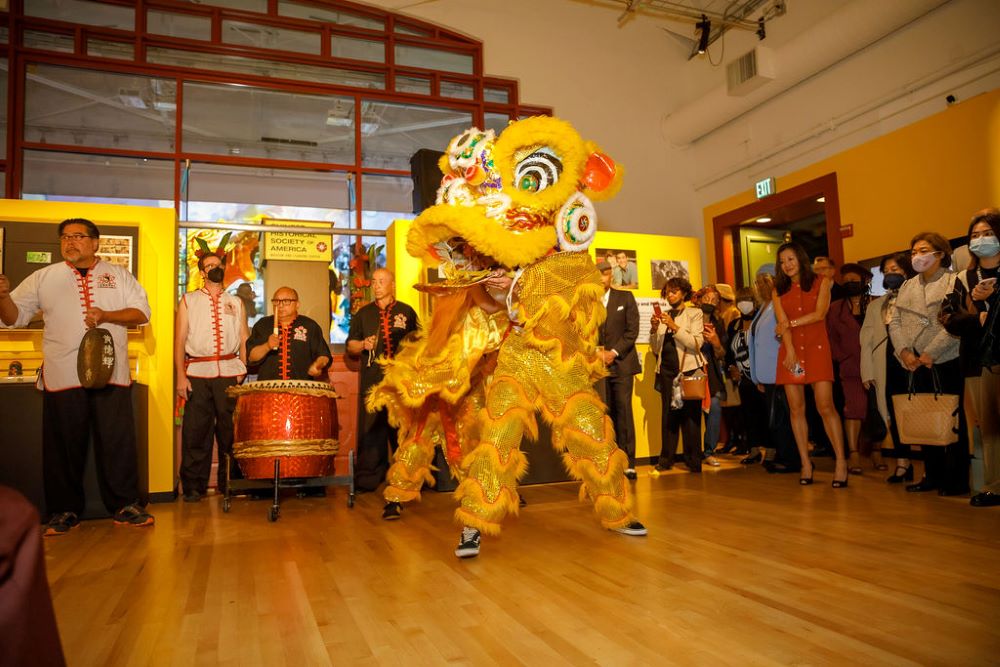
468,544
635,528
712,461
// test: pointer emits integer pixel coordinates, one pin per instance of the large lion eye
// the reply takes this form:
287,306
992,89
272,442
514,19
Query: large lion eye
537,171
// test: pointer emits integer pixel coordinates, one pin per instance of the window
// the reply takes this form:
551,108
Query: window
67,105
262,36
82,11
101,179
391,133
258,122
173,24
303,11
215,62
447,61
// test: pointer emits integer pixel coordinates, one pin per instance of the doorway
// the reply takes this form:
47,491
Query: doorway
748,238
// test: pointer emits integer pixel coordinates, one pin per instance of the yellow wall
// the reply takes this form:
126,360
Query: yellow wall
152,347
931,175
645,400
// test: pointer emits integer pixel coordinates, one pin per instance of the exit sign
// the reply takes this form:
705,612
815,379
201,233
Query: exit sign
765,188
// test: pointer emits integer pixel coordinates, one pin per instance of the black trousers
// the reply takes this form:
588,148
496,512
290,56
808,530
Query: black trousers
618,397
208,412
686,419
69,418
779,424
753,412
945,467
375,446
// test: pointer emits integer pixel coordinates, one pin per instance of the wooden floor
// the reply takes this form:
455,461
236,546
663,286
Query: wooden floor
740,567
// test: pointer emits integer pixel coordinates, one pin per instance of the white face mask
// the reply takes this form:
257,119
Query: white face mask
923,262
745,307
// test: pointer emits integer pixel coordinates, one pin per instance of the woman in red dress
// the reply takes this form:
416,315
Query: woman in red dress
801,300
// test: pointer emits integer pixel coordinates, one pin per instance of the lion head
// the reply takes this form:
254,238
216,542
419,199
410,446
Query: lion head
516,197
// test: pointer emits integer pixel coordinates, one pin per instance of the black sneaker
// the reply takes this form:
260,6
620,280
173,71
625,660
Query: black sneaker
630,474
468,545
60,524
133,515
192,497
633,528
521,502
391,511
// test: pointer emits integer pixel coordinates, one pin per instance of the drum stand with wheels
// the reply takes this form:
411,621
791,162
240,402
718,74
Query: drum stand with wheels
274,511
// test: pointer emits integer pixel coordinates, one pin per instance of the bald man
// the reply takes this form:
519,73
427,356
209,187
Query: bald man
376,332
295,349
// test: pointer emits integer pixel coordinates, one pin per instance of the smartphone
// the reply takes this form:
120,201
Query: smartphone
798,370
988,282
656,309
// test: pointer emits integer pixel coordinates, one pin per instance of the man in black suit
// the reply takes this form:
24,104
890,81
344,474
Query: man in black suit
617,337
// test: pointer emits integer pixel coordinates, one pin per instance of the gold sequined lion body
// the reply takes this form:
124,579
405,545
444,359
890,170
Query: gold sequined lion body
518,338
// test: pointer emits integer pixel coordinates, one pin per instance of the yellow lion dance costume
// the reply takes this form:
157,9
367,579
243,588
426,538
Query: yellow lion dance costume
515,209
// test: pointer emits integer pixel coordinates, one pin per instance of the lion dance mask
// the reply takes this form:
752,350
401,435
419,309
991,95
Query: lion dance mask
515,209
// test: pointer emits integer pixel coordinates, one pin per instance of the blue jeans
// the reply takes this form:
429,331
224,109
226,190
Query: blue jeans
713,424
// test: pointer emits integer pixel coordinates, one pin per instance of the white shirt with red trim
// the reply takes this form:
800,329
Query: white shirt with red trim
215,324
63,296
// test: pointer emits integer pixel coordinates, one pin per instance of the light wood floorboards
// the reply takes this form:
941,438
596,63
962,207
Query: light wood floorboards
740,568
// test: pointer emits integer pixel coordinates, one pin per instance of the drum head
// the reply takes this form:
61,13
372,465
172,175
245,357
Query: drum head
95,360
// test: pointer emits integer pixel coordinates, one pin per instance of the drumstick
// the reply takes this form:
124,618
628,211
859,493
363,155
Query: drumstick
275,331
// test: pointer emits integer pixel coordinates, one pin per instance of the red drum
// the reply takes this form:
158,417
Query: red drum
293,420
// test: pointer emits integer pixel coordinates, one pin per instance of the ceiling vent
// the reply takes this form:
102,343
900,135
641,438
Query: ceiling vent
750,71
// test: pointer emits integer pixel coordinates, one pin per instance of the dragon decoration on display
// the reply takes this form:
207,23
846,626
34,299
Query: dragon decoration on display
238,259
362,266
514,325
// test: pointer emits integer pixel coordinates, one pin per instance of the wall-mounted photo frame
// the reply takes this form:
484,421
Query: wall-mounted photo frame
663,270
624,267
1,249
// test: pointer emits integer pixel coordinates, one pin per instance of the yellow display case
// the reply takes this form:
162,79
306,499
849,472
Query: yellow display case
150,348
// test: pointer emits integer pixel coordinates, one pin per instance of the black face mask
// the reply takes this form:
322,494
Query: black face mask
854,288
216,274
893,281
708,309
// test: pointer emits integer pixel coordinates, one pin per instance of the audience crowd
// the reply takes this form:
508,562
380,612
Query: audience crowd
809,362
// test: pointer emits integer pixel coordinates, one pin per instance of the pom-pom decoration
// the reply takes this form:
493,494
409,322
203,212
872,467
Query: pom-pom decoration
576,224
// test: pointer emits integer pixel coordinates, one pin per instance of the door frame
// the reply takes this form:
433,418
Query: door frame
724,224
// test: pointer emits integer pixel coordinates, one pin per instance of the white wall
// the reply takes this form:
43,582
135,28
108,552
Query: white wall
617,84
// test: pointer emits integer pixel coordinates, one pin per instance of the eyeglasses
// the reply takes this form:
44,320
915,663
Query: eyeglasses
74,237
283,302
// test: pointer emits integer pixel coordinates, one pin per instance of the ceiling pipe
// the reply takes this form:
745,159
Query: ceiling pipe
856,26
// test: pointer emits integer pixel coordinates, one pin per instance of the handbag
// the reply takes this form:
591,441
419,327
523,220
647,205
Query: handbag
927,418
732,394
694,383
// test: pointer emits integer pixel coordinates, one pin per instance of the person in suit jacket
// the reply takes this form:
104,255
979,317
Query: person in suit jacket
617,336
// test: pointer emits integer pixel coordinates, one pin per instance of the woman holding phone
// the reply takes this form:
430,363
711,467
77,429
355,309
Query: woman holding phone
676,338
801,301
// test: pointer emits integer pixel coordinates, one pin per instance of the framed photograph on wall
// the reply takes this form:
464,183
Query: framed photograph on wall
663,270
1,249
624,268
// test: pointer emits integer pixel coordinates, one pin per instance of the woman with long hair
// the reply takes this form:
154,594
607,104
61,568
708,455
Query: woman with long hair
801,301
930,355
975,320
879,366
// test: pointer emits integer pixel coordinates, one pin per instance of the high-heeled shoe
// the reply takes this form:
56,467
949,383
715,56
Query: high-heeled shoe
900,475
806,481
756,457
854,463
842,482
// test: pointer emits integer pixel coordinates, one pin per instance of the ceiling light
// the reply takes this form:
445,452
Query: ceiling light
821,199
705,26
764,219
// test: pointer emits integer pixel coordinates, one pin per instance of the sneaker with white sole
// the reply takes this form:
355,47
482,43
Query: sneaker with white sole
631,474
712,461
468,544
633,528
